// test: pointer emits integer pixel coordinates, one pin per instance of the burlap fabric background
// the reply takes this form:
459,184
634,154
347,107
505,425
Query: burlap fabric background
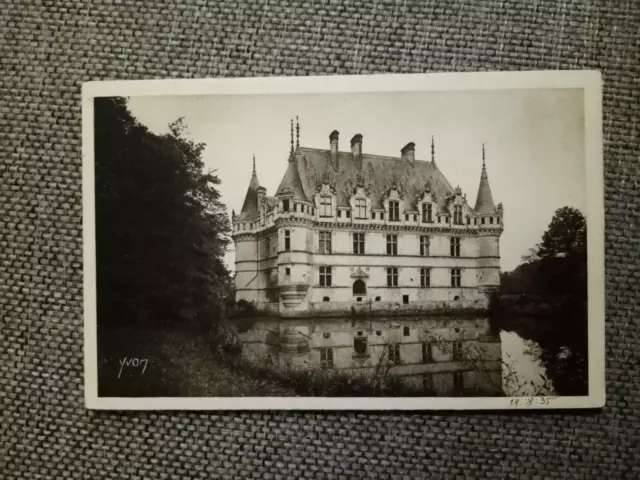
49,47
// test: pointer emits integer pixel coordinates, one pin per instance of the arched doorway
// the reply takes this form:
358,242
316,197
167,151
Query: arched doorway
359,287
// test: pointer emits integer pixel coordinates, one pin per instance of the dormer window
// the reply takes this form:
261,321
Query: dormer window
285,205
361,208
394,210
325,206
457,214
427,213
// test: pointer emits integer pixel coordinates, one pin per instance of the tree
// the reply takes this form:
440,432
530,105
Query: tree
566,236
161,227
563,256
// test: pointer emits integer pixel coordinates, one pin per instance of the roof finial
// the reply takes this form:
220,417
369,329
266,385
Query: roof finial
254,163
292,137
297,133
433,151
483,162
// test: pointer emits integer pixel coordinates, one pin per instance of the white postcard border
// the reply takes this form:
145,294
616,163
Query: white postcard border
590,81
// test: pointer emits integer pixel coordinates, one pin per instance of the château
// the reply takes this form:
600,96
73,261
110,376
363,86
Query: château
351,231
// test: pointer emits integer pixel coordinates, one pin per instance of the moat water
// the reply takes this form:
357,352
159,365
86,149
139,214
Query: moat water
448,353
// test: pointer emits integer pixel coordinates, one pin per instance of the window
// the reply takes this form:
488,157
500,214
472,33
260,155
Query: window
491,220
373,215
457,214
325,242
326,358
457,350
425,277
427,381
287,240
405,299
360,345
325,276
359,288
458,383
325,206
406,217
358,243
361,208
427,353
392,244
394,210
285,205
468,220
455,277
407,331
394,353
392,277
326,299
377,299
427,211
381,215
348,213
295,207
424,246
339,213
455,246
287,271
482,220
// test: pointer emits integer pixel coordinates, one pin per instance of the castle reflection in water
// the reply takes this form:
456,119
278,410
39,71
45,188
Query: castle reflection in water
443,355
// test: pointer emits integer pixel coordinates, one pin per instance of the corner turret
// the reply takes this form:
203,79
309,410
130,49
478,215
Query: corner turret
484,200
249,210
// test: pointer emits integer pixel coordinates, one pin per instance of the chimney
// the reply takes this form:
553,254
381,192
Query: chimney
333,139
409,152
356,150
356,144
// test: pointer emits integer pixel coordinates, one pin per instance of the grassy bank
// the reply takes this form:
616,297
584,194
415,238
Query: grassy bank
179,363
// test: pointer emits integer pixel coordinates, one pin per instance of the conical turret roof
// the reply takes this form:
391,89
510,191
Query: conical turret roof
484,200
249,210
291,183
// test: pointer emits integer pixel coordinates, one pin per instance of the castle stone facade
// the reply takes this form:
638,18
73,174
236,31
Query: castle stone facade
352,231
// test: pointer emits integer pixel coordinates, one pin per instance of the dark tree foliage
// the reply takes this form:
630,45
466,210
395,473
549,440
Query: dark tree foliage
161,228
557,267
545,299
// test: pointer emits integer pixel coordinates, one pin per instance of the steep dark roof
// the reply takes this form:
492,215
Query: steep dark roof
249,210
378,171
292,183
484,200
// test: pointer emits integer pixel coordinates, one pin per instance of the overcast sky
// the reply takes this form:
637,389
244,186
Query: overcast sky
534,142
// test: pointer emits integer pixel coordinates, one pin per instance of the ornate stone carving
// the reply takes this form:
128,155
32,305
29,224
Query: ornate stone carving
327,178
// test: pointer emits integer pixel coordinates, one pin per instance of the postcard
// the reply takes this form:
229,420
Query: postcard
377,242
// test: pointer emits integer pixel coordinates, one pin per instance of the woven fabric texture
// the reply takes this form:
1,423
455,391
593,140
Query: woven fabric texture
49,47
